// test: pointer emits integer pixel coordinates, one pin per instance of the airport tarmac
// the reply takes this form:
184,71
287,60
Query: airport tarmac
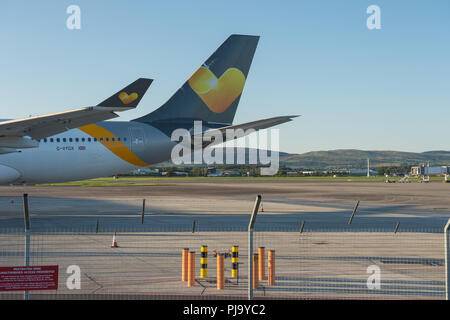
315,265
320,262
215,205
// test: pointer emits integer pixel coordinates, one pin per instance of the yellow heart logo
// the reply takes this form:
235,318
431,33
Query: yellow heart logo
217,93
126,99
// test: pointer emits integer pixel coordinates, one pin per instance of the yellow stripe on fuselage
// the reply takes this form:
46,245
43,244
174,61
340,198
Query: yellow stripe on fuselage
116,147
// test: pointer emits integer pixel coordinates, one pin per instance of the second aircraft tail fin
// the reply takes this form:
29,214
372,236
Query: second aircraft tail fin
129,96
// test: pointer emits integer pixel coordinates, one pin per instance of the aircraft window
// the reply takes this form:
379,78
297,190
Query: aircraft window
70,139
89,139
51,139
95,139
82,139
76,139
107,139
101,139
124,139
45,140
64,139
57,140
118,139
113,139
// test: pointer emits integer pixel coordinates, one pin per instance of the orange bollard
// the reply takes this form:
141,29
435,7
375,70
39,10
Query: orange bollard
191,269
262,263
271,266
255,271
220,271
184,264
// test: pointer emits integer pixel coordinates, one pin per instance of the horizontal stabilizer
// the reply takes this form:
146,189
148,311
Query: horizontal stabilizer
259,124
247,128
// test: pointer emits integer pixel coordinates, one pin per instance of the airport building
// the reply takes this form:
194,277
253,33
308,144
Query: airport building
361,172
429,171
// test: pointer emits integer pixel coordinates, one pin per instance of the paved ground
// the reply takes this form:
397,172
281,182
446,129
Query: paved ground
321,262
316,265
220,204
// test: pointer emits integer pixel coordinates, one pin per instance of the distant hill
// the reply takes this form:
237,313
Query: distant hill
349,158
439,152
352,159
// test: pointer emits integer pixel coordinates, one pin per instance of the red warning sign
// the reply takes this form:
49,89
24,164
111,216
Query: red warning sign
29,278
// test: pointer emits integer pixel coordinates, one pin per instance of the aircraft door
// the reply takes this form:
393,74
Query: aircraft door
137,139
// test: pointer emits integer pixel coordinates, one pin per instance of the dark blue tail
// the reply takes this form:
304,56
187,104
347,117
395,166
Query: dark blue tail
212,93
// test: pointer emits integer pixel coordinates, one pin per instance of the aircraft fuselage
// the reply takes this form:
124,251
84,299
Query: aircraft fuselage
97,150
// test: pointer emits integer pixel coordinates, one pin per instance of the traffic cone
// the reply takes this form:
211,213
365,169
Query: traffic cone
114,242
262,207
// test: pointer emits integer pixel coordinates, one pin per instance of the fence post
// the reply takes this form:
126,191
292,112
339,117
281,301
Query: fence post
353,213
143,211
447,265
27,236
250,246
302,226
396,227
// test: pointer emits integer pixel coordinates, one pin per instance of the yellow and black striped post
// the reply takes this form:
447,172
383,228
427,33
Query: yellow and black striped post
234,261
204,262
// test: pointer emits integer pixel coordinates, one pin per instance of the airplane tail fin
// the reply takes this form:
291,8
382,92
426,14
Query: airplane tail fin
129,96
212,93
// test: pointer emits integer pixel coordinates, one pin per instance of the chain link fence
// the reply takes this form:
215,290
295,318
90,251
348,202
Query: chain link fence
343,263
364,264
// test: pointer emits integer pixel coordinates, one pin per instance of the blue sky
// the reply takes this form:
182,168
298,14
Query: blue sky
386,89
